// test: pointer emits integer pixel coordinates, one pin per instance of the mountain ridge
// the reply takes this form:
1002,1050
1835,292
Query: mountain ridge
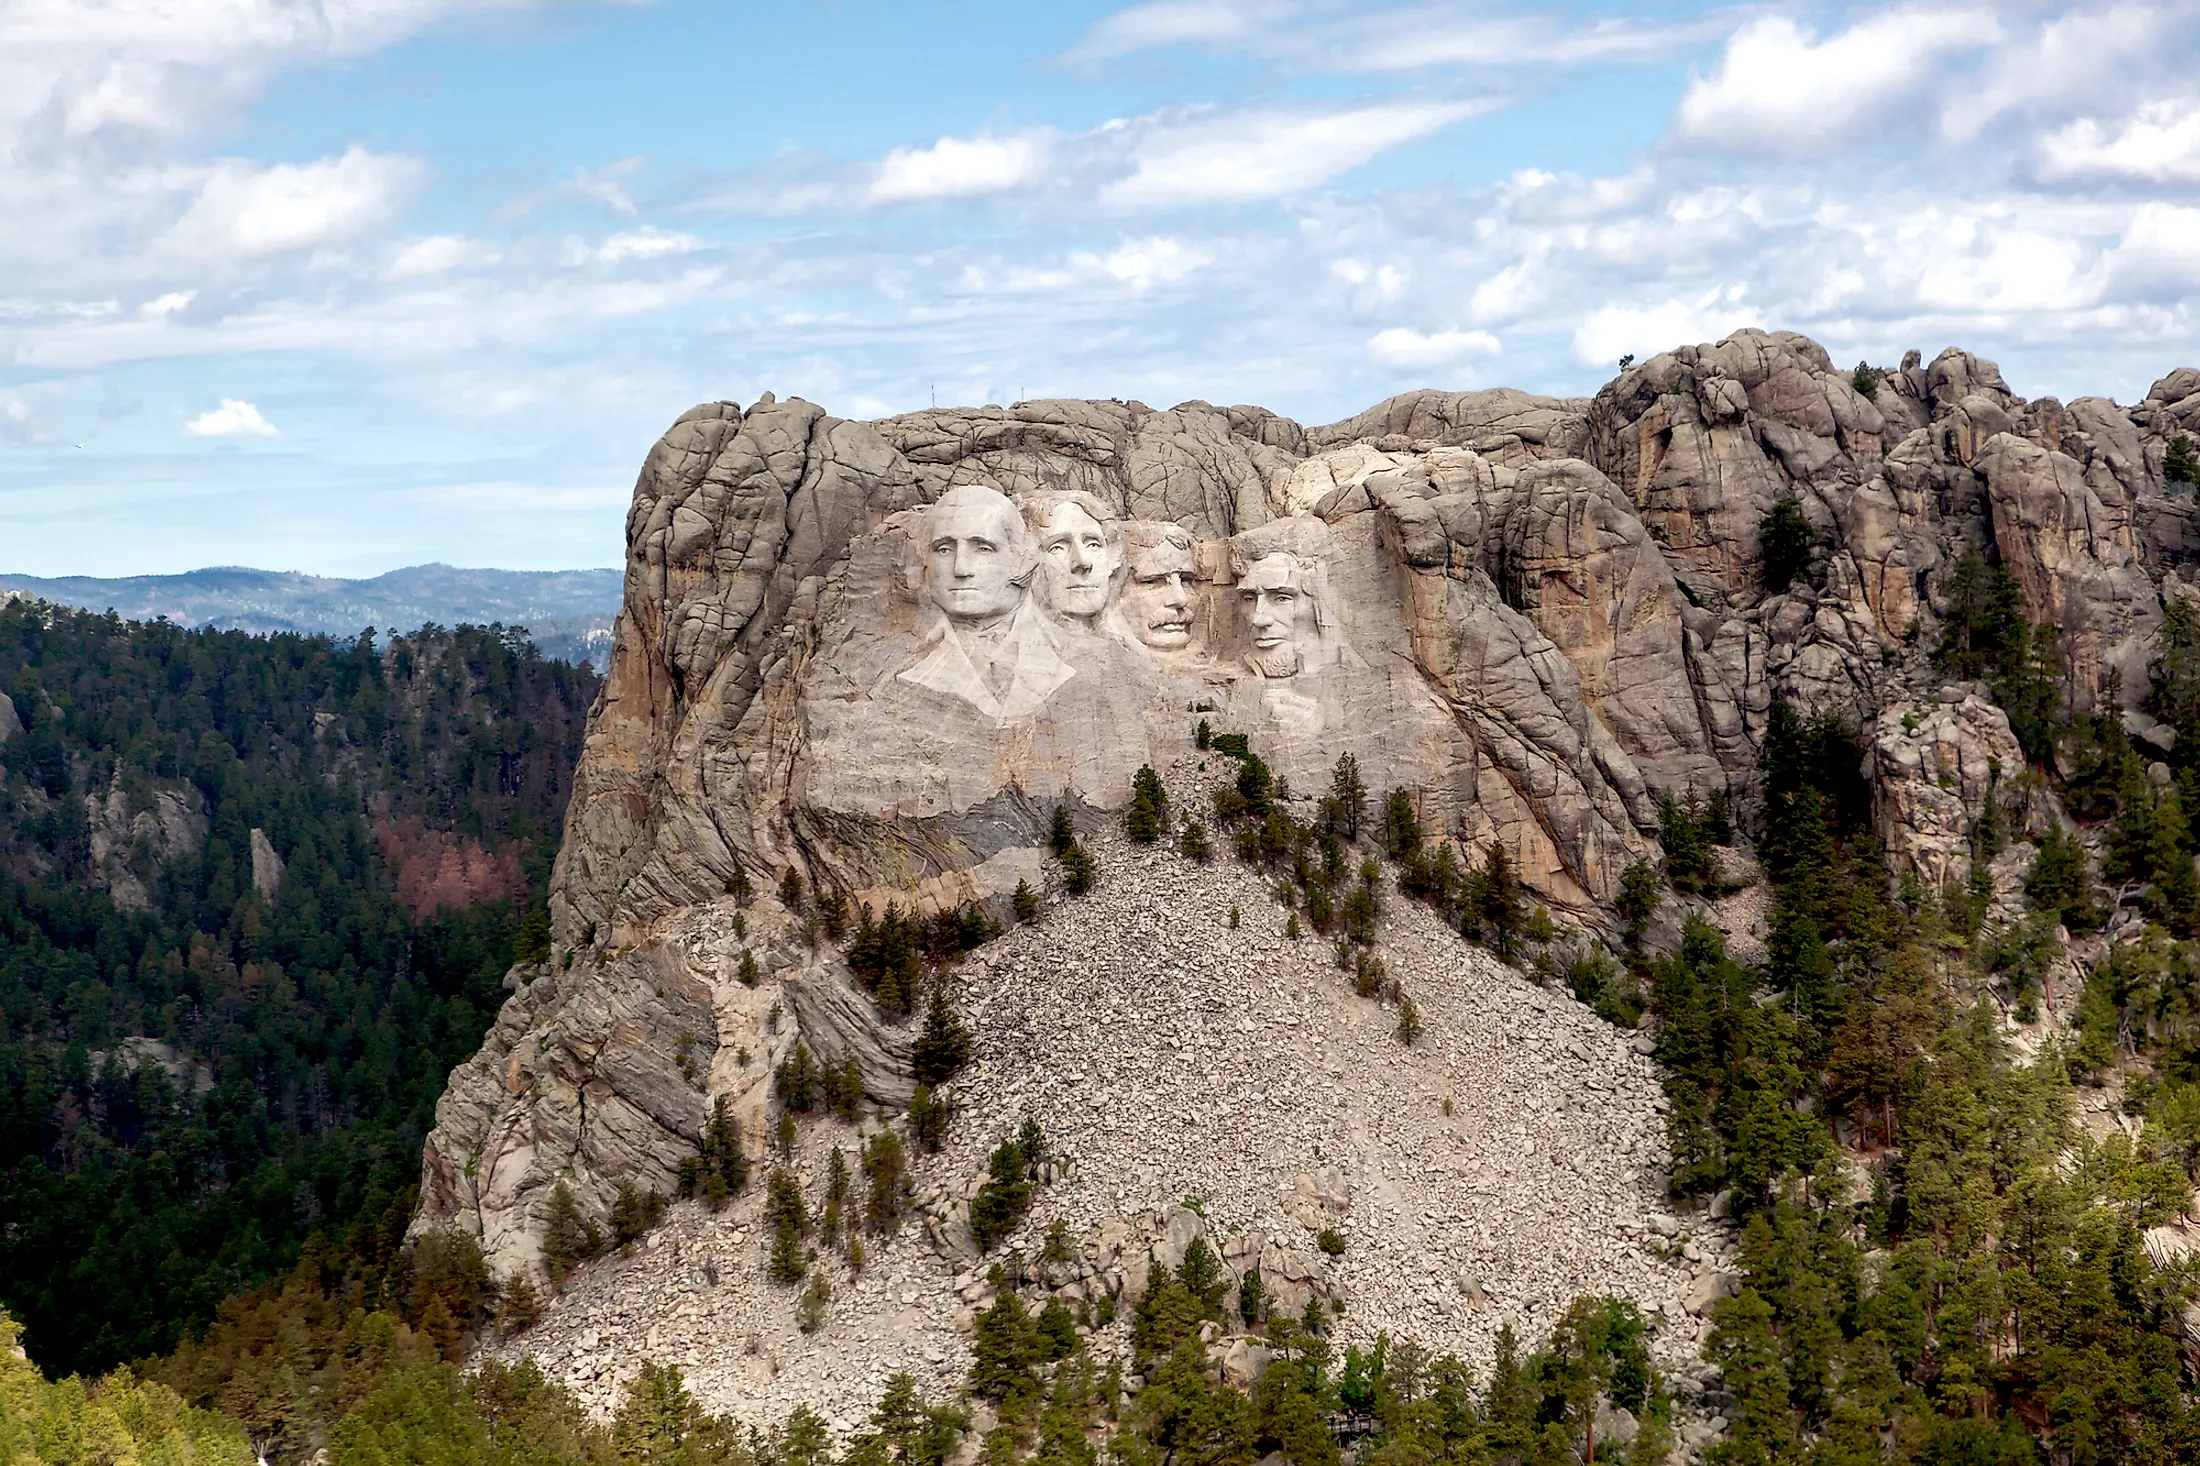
567,612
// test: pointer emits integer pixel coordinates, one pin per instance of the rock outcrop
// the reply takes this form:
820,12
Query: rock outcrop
133,832
870,660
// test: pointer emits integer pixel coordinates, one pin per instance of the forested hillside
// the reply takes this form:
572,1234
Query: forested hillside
257,896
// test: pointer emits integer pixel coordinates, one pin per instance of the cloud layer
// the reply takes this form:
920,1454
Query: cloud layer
1309,205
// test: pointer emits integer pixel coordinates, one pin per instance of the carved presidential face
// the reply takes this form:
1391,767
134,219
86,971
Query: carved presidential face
975,556
1158,602
1077,560
1285,622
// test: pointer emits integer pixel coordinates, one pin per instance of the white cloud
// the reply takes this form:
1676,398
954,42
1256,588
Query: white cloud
1613,331
1402,346
2160,251
1364,40
233,419
244,210
15,419
136,67
2074,61
1778,90
605,185
1235,157
437,254
1158,24
645,243
959,167
2160,144
167,305
1143,263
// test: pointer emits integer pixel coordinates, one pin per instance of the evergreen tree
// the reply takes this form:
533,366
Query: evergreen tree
2180,463
1148,817
785,1215
1401,825
1409,1022
1062,832
928,1117
886,1173
569,1238
1003,1198
1025,902
943,1047
1080,872
1194,845
1349,794
1500,906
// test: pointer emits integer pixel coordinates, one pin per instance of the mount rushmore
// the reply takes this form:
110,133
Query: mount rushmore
879,656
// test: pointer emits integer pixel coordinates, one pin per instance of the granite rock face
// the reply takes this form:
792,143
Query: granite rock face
878,655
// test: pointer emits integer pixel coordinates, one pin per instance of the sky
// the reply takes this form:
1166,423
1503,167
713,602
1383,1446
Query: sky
344,285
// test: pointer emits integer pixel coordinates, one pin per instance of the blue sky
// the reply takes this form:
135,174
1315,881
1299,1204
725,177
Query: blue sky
342,285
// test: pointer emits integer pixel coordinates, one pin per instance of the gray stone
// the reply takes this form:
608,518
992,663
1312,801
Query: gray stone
267,866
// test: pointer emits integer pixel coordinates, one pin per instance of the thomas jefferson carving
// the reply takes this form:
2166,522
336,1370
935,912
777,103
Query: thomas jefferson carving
1079,554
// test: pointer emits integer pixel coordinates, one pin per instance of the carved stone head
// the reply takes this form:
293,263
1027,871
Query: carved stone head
1080,551
1283,593
978,561
1157,600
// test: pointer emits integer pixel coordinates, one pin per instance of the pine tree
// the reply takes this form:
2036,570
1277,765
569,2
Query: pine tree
885,1172
928,1117
519,1306
1025,902
943,1047
1350,794
1149,811
1194,844
2180,464
441,1330
1004,1198
1409,1023
1401,825
568,1237
1252,1295
1062,832
1080,872
1500,900
784,1214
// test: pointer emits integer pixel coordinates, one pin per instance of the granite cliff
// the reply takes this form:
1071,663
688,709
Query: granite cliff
877,656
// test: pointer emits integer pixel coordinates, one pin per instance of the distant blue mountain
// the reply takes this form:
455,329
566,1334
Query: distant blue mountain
567,612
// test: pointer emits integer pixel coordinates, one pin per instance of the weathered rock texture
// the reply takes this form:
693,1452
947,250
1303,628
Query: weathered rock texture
1169,1056
1538,615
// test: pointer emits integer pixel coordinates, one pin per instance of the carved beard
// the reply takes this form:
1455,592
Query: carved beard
1282,662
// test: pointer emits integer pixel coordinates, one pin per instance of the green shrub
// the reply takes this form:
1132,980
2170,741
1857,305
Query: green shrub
1080,872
